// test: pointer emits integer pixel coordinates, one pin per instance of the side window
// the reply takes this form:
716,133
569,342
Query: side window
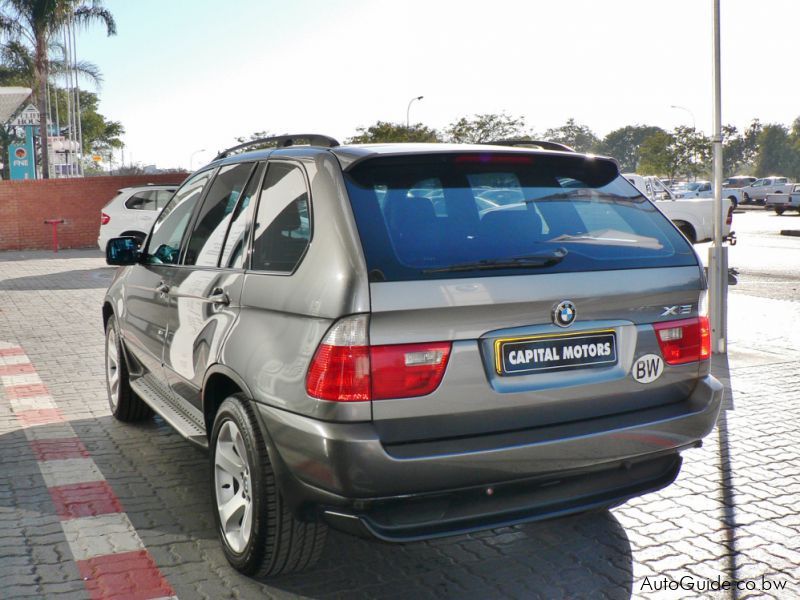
164,245
212,222
162,197
239,231
142,201
283,226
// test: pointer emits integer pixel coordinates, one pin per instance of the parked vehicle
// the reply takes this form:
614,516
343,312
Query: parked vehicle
132,212
780,203
693,216
759,190
738,181
696,189
353,358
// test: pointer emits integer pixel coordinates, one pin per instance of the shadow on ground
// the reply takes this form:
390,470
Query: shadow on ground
163,483
77,279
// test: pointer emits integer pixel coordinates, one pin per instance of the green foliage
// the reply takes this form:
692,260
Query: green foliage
385,132
100,136
777,152
739,150
576,136
658,156
485,128
624,144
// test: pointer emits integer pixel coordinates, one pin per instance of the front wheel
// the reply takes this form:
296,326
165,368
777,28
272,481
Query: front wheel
688,231
779,211
260,536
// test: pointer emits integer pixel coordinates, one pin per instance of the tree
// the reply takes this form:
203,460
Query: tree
693,151
624,144
739,150
657,155
384,132
576,136
485,128
776,152
36,24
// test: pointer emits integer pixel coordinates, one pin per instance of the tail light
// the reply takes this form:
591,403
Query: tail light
684,341
104,218
346,368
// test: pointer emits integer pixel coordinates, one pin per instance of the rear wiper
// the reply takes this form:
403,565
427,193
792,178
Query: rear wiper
515,262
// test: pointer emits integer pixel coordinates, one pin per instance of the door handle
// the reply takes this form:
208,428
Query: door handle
218,296
162,288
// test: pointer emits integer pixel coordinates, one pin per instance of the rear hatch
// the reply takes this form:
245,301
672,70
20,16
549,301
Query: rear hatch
544,273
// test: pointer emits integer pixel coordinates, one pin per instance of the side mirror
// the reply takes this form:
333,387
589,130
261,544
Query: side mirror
122,251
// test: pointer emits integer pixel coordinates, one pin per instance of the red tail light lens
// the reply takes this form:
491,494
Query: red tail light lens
346,369
684,341
104,218
339,373
407,370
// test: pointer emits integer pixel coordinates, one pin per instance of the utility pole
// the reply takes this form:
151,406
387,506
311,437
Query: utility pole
717,254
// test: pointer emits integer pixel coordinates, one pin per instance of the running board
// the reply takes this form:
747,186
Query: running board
186,420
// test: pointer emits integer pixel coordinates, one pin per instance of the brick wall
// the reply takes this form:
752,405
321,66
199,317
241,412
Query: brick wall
25,205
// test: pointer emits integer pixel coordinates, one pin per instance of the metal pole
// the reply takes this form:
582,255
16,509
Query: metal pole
408,111
77,98
717,254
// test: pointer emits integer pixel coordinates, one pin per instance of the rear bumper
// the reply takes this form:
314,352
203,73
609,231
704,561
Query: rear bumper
595,462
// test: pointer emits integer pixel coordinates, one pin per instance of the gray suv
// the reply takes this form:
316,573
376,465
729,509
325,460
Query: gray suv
407,341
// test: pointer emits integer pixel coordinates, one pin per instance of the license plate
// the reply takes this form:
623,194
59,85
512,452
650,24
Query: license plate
555,352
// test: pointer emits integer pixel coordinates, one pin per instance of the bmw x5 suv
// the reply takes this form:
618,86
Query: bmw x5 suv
407,341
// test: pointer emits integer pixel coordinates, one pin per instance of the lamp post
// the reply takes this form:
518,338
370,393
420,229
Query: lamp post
691,114
718,254
191,158
408,110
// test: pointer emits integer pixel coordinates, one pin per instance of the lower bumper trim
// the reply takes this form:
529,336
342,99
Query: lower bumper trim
428,516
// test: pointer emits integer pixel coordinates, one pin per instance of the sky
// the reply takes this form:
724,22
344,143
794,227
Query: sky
190,75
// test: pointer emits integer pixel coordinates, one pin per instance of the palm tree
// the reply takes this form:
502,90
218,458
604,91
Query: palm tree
36,24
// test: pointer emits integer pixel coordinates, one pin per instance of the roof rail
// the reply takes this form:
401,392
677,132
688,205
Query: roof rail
543,144
283,141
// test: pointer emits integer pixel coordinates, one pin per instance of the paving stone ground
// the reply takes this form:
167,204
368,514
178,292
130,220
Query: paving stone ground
733,515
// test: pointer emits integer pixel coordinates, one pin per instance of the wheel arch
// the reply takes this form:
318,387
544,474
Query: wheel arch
219,383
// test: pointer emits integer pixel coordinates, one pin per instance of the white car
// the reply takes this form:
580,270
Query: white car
132,212
696,189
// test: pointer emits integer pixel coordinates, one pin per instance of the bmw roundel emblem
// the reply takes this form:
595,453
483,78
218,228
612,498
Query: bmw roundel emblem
564,313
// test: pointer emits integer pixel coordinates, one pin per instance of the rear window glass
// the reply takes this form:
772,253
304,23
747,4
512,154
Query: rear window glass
468,215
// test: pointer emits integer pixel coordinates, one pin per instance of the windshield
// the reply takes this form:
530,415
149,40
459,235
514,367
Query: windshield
693,187
447,215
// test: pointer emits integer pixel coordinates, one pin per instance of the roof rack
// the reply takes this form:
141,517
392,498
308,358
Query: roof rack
283,141
543,144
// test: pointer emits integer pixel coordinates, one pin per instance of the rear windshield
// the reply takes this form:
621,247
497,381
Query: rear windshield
471,215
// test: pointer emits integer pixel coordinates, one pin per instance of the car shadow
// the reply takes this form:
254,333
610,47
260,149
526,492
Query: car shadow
163,484
76,279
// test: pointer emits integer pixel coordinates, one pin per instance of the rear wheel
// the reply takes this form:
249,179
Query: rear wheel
260,536
124,404
779,211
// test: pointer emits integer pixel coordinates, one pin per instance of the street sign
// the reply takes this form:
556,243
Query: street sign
28,116
21,157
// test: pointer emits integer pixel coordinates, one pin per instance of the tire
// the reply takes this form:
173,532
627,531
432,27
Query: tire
745,199
687,230
124,404
779,211
260,536
734,202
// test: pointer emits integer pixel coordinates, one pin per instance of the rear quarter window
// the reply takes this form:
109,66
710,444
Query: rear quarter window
434,216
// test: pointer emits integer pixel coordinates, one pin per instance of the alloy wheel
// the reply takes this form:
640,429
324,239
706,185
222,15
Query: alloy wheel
233,487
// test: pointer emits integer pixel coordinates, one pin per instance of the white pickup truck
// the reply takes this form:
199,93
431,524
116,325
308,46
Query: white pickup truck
693,216
790,200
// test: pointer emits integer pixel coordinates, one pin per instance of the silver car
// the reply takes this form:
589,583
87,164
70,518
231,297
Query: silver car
363,341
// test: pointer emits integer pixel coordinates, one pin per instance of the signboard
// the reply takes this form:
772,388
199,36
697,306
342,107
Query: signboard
21,158
28,116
